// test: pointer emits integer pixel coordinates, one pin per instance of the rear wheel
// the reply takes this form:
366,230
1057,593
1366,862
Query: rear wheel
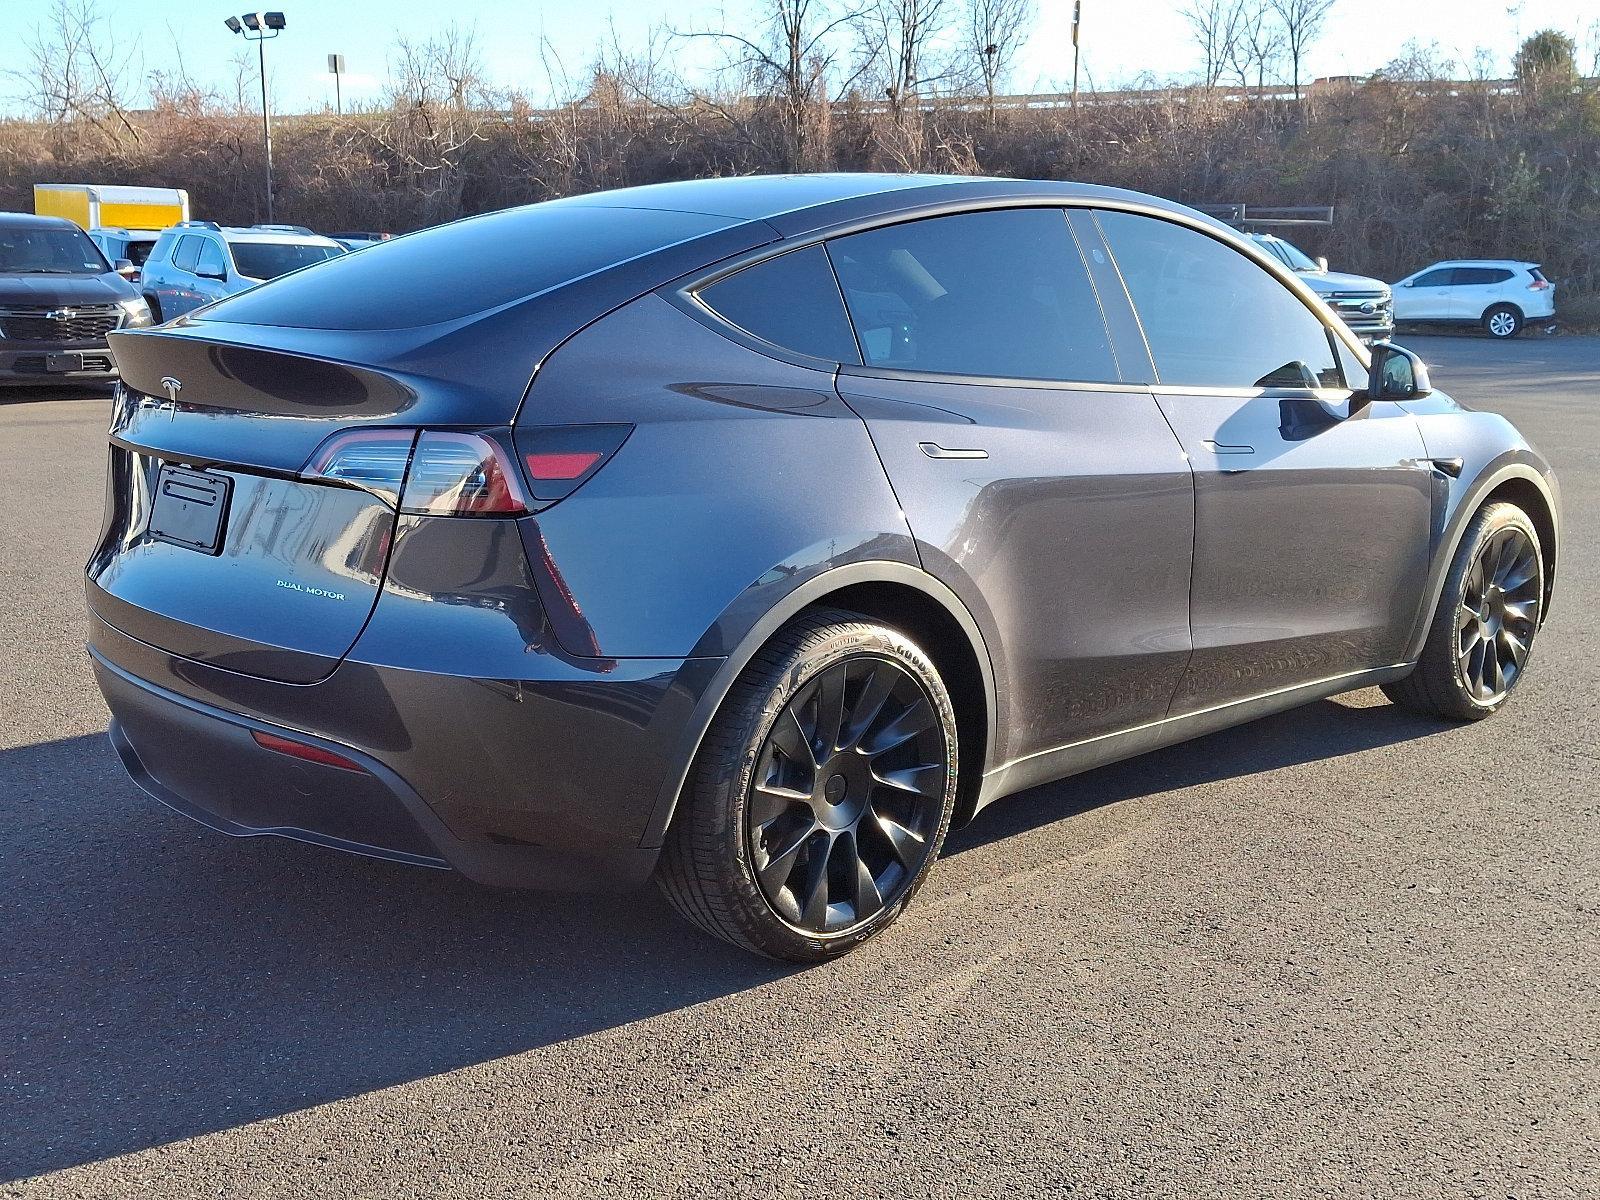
1503,321
1488,616
821,795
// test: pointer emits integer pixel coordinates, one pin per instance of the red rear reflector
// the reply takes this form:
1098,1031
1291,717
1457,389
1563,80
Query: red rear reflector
315,754
561,466
561,458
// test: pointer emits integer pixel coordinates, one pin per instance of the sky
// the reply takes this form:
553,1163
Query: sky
1121,39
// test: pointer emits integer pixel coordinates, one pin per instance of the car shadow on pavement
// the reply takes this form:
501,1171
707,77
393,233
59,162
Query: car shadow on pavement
163,982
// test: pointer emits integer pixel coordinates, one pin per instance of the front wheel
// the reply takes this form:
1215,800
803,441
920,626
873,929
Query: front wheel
821,795
1502,321
1482,633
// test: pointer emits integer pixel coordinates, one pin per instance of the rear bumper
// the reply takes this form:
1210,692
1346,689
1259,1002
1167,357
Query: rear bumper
525,783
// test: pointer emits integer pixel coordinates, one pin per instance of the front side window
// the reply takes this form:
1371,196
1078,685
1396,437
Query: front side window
1439,277
210,261
791,301
1002,294
186,252
1213,317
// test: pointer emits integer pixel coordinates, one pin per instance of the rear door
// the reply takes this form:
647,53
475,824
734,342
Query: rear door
1312,510
1041,486
1473,290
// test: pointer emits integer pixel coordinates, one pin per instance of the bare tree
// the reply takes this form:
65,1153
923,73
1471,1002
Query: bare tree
995,31
1259,44
75,74
1216,25
900,42
788,61
1302,25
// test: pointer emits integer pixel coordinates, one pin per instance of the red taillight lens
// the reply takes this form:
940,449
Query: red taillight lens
1538,285
462,474
303,750
560,458
375,459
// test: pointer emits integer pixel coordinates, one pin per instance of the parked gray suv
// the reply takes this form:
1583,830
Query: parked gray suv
197,262
750,532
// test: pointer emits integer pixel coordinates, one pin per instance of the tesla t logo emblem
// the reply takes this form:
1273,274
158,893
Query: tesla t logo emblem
172,387
62,314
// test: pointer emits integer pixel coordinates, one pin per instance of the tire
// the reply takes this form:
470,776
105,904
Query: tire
1449,681
155,308
765,819
1502,321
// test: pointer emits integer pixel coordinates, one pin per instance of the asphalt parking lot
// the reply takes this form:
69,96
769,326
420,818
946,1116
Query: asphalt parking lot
1340,952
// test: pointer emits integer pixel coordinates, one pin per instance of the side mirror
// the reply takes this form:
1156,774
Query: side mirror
1322,264
1396,374
125,268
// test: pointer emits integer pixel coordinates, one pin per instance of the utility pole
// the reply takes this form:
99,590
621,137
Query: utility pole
1077,18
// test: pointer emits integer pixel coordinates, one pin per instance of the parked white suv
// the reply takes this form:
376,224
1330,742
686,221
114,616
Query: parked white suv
1499,294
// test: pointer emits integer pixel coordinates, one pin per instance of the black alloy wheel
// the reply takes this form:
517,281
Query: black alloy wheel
847,795
821,794
1498,614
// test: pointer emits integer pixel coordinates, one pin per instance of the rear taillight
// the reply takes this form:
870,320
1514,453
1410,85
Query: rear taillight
1538,285
434,471
462,475
375,459
560,458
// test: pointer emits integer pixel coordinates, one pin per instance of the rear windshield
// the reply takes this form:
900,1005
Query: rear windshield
38,250
462,268
268,260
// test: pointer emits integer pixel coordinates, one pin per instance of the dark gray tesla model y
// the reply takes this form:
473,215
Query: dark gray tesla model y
750,532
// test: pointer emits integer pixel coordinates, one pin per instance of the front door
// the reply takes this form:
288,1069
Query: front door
1312,509
1428,297
1042,487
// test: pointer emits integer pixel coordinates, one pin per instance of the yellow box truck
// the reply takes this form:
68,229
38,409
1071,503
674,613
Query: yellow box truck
96,206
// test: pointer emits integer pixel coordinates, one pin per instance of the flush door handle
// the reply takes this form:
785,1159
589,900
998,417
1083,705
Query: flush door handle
934,450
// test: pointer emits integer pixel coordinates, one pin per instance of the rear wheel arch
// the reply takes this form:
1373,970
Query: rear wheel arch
896,594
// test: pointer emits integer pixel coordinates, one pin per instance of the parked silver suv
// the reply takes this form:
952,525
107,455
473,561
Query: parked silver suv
1365,305
197,262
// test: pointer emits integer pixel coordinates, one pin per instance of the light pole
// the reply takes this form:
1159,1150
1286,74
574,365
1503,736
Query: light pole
258,28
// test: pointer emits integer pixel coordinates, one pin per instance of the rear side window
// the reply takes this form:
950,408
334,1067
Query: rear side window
186,252
268,260
463,268
1481,275
1213,317
1001,294
791,301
